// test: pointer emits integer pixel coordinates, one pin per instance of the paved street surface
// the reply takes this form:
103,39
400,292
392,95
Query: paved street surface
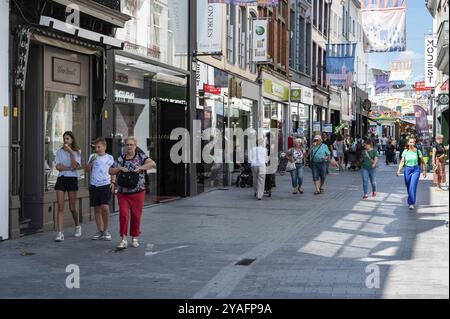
305,246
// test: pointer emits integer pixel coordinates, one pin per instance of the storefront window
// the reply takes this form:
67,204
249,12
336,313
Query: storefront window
276,119
132,114
63,112
150,30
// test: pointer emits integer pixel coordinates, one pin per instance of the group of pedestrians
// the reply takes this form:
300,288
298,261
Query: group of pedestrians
126,176
365,155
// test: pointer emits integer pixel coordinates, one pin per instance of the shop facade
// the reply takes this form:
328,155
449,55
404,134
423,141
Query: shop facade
320,112
225,101
301,100
275,107
61,83
151,90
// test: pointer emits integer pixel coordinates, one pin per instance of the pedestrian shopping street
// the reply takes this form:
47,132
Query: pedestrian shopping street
303,246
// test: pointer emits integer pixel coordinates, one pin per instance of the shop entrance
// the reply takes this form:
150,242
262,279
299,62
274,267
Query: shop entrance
171,179
57,98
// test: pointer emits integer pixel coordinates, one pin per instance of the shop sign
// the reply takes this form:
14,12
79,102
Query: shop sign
124,96
66,71
430,59
209,27
276,89
260,41
328,128
307,96
316,127
208,88
420,87
443,99
296,95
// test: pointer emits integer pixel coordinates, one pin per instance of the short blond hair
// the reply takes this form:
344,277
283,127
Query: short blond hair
132,138
439,136
297,141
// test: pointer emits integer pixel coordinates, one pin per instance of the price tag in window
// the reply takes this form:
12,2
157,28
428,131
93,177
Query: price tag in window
15,111
105,114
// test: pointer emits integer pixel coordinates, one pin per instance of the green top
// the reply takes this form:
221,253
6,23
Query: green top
411,158
318,153
368,157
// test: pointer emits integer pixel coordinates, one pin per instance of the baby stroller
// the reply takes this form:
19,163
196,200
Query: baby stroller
245,177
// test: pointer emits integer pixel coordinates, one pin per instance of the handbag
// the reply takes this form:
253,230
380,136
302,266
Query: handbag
128,180
290,166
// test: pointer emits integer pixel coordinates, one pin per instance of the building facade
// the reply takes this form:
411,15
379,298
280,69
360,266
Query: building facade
62,81
4,120
439,9
301,97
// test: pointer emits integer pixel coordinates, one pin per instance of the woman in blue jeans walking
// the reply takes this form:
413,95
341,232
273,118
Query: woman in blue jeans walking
296,155
412,160
320,154
368,169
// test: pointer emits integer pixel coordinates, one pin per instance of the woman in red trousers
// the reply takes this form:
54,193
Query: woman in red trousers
131,199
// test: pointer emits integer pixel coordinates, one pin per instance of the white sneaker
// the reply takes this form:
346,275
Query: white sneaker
123,244
59,237
77,231
98,235
411,207
107,235
135,243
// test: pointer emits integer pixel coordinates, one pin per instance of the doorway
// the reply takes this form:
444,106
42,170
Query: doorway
171,179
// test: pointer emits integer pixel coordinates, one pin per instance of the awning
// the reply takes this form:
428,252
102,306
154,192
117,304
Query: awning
99,11
80,32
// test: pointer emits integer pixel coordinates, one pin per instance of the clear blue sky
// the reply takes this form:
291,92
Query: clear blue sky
418,22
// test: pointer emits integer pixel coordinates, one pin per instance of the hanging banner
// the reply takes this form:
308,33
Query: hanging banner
340,64
384,29
260,33
401,72
209,27
430,60
178,22
261,3
381,83
422,126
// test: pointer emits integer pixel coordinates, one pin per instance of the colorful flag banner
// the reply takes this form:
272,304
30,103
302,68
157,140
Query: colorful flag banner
422,127
384,28
382,83
261,3
340,64
401,72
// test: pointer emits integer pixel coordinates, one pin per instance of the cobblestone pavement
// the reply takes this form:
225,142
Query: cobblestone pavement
334,245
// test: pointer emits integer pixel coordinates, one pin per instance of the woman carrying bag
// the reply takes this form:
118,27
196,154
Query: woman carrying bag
412,160
130,169
295,166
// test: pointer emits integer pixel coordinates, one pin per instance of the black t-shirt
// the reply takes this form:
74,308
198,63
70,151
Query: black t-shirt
440,149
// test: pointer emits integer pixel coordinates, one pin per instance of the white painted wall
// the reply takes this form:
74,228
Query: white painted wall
4,119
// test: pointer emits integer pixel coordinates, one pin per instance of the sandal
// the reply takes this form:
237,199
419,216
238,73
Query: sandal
300,191
295,192
322,190
316,193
